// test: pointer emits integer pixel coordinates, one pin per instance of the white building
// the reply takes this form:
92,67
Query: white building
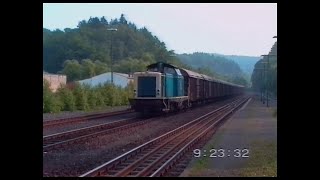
119,79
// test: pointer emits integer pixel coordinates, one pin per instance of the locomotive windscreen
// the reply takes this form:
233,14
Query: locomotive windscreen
146,86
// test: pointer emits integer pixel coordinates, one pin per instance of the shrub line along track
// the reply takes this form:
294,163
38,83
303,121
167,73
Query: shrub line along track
61,121
158,156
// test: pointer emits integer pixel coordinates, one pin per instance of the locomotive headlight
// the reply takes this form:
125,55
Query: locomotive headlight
158,92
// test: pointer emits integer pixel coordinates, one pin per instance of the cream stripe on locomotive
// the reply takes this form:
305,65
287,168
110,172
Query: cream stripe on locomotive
147,74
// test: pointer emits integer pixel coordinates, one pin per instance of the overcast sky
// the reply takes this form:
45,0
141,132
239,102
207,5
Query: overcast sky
231,29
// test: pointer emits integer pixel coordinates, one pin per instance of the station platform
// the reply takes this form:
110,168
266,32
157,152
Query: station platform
245,145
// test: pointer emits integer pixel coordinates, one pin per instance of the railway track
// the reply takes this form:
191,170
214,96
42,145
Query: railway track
63,121
158,156
59,140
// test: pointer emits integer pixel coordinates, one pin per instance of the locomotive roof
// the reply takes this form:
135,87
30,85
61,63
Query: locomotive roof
164,64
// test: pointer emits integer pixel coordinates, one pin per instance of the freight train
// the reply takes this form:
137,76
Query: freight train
165,88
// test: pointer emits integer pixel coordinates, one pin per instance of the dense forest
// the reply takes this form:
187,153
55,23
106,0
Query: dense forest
86,51
89,46
264,76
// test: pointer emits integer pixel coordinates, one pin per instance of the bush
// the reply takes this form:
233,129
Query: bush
84,97
100,98
81,97
67,98
51,102
92,97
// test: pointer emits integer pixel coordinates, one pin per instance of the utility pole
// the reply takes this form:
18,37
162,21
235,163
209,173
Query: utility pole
267,80
111,29
264,81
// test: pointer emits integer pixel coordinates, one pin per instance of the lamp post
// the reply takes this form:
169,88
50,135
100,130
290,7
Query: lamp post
265,75
261,83
267,84
111,55
263,90
261,77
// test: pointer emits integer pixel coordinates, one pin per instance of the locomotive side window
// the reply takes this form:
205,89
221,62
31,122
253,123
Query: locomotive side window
178,72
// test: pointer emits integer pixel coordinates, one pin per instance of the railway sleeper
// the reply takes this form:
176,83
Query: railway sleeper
147,162
112,172
120,167
157,156
134,172
130,161
139,169
137,157
152,158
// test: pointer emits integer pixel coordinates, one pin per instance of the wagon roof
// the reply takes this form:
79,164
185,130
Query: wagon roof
192,74
203,76
207,77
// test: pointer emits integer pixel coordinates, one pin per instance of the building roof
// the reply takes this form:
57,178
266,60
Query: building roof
46,73
119,79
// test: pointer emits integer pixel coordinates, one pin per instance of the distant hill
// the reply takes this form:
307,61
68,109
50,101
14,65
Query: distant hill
246,63
215,63
227,67
220,66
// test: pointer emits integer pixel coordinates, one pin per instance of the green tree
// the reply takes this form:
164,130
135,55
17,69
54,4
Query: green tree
104,21
148,58
72,69
88,68
122,19
101,67
130,66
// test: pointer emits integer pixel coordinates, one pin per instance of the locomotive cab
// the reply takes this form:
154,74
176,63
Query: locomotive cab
158,88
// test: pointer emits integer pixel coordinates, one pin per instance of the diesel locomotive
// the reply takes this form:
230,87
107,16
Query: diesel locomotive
164,88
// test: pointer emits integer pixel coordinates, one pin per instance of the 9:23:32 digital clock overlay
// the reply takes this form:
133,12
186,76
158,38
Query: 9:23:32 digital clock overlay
221,153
